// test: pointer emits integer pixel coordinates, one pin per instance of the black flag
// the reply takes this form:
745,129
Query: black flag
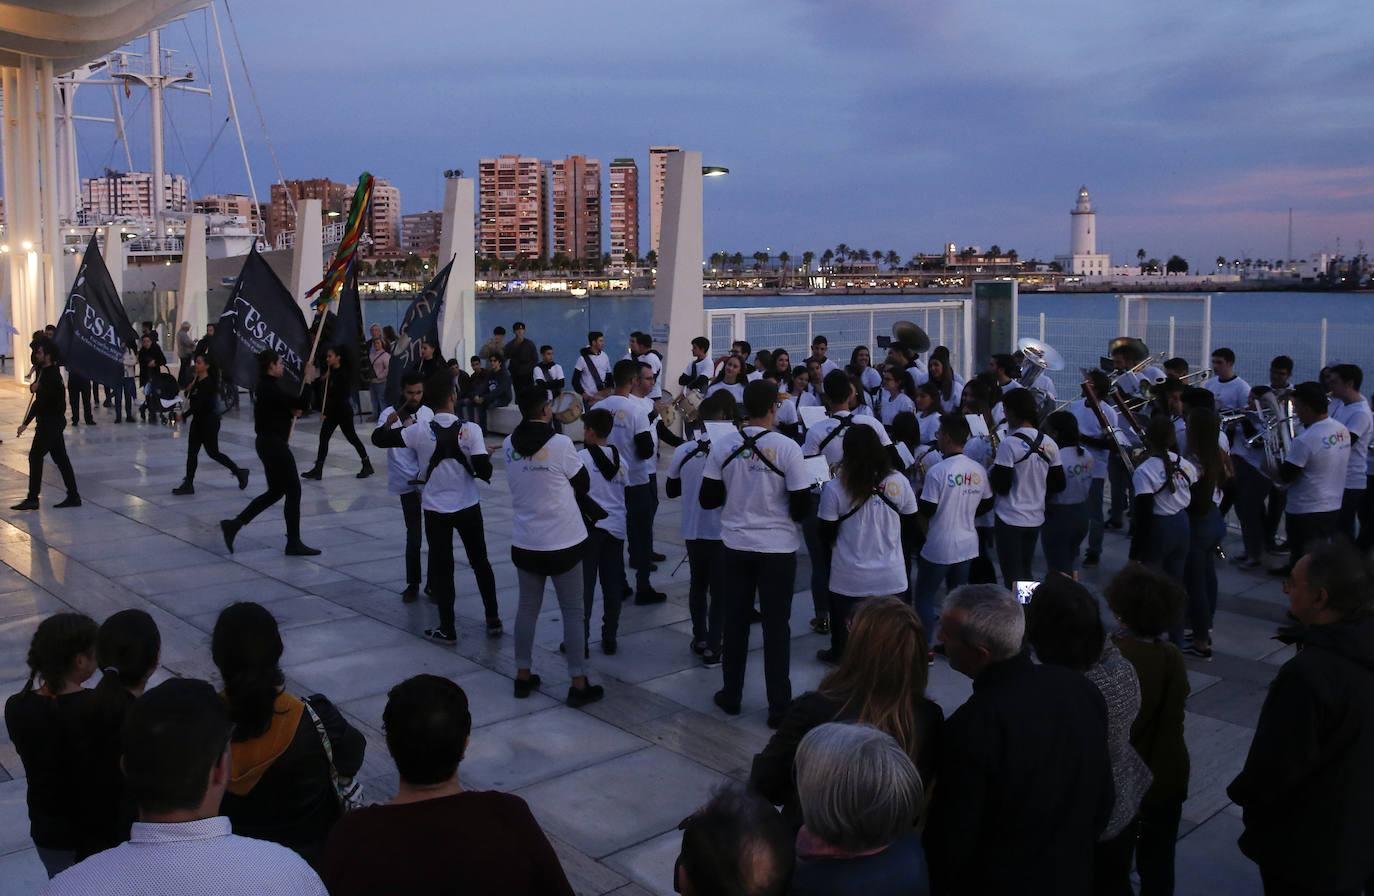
421,322
348,327
94,328
261,314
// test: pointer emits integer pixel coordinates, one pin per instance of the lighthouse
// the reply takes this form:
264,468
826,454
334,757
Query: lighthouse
1083,258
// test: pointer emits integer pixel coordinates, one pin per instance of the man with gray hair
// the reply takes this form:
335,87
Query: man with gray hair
1025,782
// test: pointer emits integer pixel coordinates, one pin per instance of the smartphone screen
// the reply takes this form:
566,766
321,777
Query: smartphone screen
1024,590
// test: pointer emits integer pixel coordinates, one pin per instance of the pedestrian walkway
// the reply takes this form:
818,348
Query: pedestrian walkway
609,783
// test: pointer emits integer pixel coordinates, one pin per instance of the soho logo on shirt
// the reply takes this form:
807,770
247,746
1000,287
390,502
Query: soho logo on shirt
748,453
893,488
1081,468
1334,440
955,480
512,455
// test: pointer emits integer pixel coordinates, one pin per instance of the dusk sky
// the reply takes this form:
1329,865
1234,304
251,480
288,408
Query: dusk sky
883,125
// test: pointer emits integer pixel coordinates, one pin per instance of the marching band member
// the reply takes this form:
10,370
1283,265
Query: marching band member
891,399
1101,447
402,469
1206,528
1252,481
1315,471
697,374
982,450
861,365
605,557
1231,391
819,346
633,436
1344,380
592,373
1025,471
1066,514
550,373
642,350
729,379
1163,484
928,411
49,408
918,456
942,374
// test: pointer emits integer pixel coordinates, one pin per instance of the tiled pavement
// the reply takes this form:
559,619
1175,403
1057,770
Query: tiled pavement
609,783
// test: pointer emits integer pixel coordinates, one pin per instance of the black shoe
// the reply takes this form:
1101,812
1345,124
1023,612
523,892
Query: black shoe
411,594
820,625
315,472
185,488
755,616
728,706
608,646
90,422
366,470
1201,649
130,419
73,500
1091,559
710,657
26,504
443,637
649,597
108,403
1113,524
494,628
579,697
241,474
119,420
828,656
775,719
524,686
657,557
699,647
230,528
301,549
75,422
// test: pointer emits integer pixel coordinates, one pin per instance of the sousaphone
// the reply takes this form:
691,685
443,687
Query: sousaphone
911,336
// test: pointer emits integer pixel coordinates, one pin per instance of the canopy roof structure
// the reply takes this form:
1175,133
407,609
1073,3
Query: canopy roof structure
74,32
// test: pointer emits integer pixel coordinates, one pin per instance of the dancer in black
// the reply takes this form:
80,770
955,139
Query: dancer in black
273,412
49,408
203,430
338,414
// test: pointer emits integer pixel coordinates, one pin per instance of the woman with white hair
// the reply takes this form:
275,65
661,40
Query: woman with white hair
860,793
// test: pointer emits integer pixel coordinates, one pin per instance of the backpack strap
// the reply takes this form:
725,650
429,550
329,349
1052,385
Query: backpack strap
703,449
845,422
592,369
750,443
446,447
1033,447
877,493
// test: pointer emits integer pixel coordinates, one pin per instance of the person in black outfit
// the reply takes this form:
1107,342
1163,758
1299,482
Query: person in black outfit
273,412
204,428
431,361
49,408
79,393
521,358
337,414
150,360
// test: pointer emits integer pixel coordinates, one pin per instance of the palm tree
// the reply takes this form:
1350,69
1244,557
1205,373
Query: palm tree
1221,262
893,260
651,258
863,255
807,257
1140,257
760,260
717,259
827,257
784,256
737,260
841,253
994,250
1013,257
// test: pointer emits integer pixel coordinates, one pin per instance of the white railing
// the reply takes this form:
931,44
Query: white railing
333,234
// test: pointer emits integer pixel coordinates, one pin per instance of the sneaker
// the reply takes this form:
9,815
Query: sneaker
313,473
710,657
1201,649
608,646
301,549
580,697
1278,546
72,500
699,648
649,597
1091,558
230,528
494,628
185,488
525,686
241,474
443,637
726,705
820,626
411,594
26,504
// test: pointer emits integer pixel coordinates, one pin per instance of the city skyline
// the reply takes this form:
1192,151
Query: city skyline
870,123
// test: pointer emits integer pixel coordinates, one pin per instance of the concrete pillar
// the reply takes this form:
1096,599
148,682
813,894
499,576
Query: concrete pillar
458,322
307,256
191,293
115,257
679,309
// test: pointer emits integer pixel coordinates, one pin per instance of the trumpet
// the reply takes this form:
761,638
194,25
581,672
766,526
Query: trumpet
1148,360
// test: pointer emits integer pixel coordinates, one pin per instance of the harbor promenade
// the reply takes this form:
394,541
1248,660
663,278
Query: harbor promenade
608,783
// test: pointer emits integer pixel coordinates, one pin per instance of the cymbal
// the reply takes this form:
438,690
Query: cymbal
1138,346
1041,354
908,334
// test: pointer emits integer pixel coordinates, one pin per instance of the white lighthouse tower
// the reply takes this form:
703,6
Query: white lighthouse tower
1083,259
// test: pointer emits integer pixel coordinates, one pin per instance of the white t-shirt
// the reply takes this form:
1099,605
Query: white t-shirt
1024,505
735,389
689,464
554,373
929,425
1089,426
756,514
450,487
890,406
1357,420
787,412
1322,450
545,511
1080,469
1232,394
834,449
956,394
698,369
1149,479
828,365
918,463
919,373
656,365
401,466
868,559
979,450
871,378
631,419
609,493
956,485
602,362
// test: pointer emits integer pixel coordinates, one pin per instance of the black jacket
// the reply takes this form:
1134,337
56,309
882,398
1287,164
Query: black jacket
200,402
520,359
1025,785
45,732
50,401
272,410
1307,788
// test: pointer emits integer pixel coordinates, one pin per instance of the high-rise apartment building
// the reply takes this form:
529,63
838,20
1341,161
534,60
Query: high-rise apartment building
511,195
234,204
384,220
118,193
281,214
576,205
658,169
624,210
421,232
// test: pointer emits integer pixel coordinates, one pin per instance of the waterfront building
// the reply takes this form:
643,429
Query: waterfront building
281,212
384,220
1083,259
624,209
120,193
658,169
576,206
420,232
234,204
511,207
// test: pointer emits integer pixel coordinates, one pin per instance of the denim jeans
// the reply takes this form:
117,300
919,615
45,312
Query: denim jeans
605,559
1200,571
1065,527
377,393
1168,552
929,575
1095,516
1015,551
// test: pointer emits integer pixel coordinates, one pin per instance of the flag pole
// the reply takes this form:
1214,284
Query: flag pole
309,359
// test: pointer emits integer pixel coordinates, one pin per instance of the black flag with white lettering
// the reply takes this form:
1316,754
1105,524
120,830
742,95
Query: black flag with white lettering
94,328
421,322
348,327
261,314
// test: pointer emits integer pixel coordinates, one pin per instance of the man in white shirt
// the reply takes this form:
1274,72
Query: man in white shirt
633,437
1231,391
176,767
450,456
759,478
1101,445
592,374
697,374
1026,470
402,469
1126,356
549,373
1315,470
1344,381
642,349
819,346
956,492
606,539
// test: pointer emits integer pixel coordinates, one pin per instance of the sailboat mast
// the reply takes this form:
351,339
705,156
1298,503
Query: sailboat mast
155,99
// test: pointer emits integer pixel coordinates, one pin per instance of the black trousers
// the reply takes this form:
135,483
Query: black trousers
705,558
641,503
773,577
344,423
47,439
1015,551
410,509
205,434
1307,530
279,467
79,390
439,529
605,559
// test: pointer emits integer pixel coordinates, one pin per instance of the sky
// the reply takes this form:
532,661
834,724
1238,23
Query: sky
897,126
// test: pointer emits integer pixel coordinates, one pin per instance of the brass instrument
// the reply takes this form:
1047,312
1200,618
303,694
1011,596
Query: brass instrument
1275,434
1039,357
1109,431
911,336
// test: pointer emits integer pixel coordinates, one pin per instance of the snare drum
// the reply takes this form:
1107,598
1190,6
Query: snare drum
567,407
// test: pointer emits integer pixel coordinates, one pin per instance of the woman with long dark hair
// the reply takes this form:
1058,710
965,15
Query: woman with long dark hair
203,430
881,680
861,366
942,374
728,379
1206,526
281,784
127,649
1163,490
337,414
273,411
1066,513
